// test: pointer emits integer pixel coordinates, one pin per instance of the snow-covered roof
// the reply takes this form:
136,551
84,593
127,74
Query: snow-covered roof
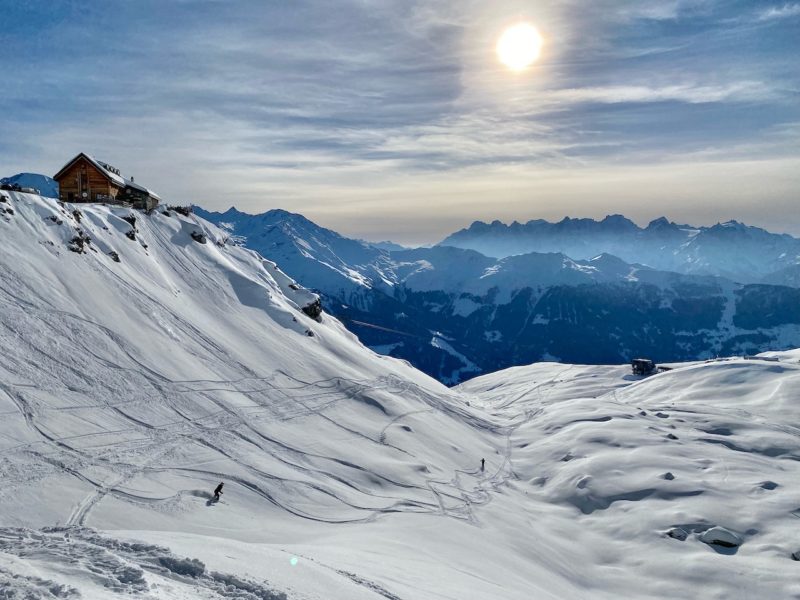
130,183
111,173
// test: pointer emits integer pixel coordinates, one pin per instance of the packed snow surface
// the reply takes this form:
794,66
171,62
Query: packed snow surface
147,363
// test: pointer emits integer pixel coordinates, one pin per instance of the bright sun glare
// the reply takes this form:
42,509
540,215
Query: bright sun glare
519,46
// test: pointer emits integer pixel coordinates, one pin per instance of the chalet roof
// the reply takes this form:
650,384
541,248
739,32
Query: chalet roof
129,183
110,173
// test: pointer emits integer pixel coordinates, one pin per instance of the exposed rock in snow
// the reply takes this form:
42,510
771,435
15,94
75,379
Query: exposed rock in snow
678,534
314,309
719,536
79,242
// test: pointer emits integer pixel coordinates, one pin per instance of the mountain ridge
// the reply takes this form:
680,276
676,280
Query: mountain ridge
744,253
456,313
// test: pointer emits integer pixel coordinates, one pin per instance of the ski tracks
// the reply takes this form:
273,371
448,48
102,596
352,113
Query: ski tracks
125,568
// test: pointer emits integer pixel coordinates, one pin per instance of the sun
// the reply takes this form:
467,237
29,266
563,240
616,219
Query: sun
519,46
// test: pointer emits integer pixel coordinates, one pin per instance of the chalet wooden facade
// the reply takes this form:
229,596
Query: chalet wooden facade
86,179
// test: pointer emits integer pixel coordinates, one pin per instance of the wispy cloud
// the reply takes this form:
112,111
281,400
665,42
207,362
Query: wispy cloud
779,12
692,94
324,108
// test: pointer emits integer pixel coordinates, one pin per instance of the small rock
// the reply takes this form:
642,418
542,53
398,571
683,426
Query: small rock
668,476
661,415
131,235
181,210
672,436
114,256
796,555
79,243
314,310
719,536
678,533
199,237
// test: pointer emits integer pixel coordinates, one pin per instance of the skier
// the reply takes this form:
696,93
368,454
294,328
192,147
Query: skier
218,492
483,464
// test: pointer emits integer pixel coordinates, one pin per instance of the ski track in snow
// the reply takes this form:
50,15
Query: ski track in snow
116,566
343,389
126,419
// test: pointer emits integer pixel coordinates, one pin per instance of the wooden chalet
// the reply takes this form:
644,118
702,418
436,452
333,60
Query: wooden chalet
86,179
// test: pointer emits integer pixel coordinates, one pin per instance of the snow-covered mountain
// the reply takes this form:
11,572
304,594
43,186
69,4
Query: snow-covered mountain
341,266
733,250
47,186
456,313
145,358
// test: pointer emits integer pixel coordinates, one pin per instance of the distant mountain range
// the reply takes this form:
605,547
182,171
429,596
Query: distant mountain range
456,313
733,250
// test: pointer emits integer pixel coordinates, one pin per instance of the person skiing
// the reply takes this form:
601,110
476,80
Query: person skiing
218,492
483,464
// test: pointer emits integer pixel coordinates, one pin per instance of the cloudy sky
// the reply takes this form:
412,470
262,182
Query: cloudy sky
394,118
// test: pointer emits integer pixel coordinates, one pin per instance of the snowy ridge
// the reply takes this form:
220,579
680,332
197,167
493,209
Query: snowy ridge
336,264
130,389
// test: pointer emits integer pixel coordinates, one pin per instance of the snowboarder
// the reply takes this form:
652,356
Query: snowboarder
483,464
218,492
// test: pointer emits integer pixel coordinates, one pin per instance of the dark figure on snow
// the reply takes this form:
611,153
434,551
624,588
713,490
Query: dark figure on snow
218,492
483,464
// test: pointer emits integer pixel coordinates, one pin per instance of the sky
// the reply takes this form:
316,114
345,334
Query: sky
395,119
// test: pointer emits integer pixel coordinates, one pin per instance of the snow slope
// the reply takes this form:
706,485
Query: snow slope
130,389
